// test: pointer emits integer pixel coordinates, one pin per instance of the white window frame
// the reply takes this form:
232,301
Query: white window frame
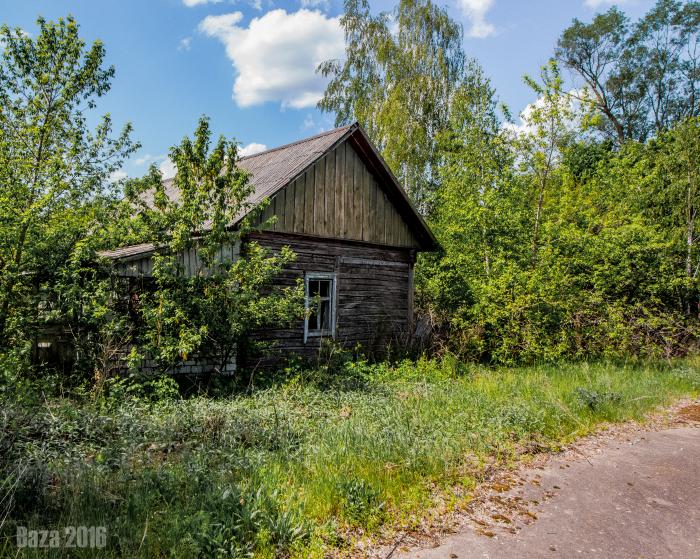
310,276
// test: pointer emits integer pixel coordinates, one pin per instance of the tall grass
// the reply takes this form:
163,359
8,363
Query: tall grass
295,468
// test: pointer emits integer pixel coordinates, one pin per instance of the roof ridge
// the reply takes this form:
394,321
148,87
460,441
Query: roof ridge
296,142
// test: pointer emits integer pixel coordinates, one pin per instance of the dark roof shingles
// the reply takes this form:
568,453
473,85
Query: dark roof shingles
272,169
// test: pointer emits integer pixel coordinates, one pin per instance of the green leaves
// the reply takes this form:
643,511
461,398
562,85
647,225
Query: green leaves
398,84
55,170
207,308
556,245
642,77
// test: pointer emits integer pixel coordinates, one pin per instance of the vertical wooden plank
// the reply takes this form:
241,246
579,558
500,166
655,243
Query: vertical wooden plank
284,208
349,189
362,172
277,206
390,238
388,209
331,187
372,216
352,206
379,216
299,186
357,196
361,195
387,217
320,197
367,206
340,190
395,226
309,202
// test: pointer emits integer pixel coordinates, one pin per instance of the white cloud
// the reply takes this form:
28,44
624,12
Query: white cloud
185,44
21,31
165,165
571,107
308,123
147,159
192,3
251,149
476,11
276,56
117,175
167,168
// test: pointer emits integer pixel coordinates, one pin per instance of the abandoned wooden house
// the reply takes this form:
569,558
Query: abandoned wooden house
355,234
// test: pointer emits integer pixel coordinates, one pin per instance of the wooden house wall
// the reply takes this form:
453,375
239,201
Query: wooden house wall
374,290
190,259
338,197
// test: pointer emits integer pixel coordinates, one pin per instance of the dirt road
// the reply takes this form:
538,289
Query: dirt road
632,497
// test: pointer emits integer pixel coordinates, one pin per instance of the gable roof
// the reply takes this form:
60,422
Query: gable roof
273,169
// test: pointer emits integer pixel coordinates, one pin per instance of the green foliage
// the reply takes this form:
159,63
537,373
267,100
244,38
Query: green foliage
595,400
555,245
640,78
398,83
362,502
299,468
54,169
207,312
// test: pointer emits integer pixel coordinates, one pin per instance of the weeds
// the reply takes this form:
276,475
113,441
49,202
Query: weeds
294,469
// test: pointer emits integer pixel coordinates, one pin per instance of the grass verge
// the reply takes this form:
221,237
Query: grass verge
300,468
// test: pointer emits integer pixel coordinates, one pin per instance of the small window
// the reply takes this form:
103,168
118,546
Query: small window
320,305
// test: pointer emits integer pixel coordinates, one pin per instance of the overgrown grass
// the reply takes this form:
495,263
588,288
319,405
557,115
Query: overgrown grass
296,468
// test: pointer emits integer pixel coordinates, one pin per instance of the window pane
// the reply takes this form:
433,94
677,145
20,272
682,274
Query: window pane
325,315
313,319
313,288
320,305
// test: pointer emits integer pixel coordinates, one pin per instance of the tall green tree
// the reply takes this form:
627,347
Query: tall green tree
641,77
548,129
54,168
398,78
478,216
671,198
209,311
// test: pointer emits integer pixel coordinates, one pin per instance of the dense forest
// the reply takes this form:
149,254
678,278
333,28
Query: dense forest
569,232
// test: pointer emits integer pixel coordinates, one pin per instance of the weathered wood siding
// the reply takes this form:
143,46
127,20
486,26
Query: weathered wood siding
338,197
374,293
190,260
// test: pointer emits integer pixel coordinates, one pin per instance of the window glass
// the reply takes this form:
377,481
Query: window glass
325,288
325,315
314,287
320,304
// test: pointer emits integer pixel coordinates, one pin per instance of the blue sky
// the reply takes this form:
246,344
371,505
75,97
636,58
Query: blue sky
248,64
